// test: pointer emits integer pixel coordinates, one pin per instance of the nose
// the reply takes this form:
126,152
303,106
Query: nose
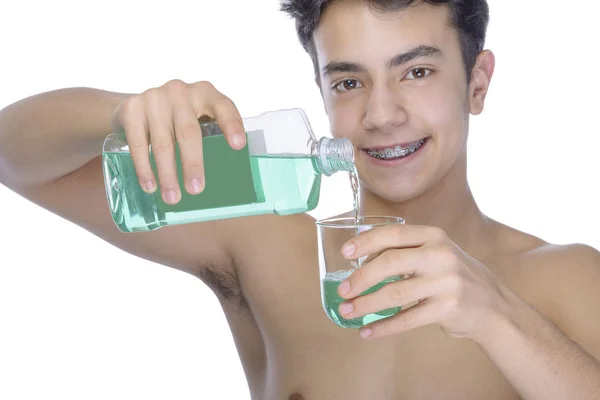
384,110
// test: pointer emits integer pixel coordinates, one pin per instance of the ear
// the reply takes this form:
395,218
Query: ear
480,81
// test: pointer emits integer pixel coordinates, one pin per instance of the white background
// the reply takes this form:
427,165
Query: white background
80,319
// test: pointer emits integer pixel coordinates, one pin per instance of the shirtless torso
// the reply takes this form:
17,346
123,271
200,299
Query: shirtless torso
291,350
267,282
385,82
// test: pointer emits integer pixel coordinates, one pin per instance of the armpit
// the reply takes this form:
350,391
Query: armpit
226,286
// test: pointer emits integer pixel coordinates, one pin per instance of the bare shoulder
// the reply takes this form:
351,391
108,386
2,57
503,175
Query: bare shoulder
566,268
274,234
561,281
576,255
527,255
564,280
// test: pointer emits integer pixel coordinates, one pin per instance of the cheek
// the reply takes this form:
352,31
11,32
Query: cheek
344,116
439,110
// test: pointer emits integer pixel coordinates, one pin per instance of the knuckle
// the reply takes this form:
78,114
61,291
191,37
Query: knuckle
151,93
152,97
162,143
397,293
176,85
452,307
144,175
438,234
193,165
201,93
231,124
446,254
167,176
387,326
142,168
137,145
130,105
396,231
187,130
389,257
364,240
204,85
407,320
223,104
357,276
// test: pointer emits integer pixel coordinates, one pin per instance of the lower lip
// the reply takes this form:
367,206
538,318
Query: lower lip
399,161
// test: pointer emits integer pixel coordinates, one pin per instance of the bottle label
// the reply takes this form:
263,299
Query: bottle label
229,179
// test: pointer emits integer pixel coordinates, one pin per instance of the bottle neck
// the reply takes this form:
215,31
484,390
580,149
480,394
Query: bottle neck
333,155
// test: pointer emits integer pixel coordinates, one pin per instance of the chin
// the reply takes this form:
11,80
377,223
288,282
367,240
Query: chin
394,192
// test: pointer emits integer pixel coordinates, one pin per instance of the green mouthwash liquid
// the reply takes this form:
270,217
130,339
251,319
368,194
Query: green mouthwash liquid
237,184
332,301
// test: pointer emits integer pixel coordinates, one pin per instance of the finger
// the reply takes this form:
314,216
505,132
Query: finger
160,125
390,295
425,313
136,127
208,100
392,236
390,263
189,139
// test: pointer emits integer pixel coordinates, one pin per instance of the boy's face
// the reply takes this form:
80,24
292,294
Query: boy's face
379,100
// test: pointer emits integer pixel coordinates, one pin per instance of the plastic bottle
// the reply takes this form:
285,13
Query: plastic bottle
279,171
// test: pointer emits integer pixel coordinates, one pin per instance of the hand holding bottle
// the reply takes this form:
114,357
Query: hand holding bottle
170,114
274,166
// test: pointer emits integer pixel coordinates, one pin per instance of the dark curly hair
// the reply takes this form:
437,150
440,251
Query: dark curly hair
469,17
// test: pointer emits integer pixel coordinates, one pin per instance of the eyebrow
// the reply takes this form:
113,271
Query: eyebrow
400,59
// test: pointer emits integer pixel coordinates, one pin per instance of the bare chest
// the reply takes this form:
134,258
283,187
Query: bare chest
306,355
423,364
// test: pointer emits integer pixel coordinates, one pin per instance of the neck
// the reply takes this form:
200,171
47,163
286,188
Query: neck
448,205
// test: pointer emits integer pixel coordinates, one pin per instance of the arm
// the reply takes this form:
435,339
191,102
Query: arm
50,147
546,360
37,133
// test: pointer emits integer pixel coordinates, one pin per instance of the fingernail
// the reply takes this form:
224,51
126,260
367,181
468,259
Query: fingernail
346,308
196,185
344,288
170,196
149,186
365,332
348,249
237,140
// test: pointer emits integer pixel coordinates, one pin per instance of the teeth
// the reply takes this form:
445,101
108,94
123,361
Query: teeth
396,152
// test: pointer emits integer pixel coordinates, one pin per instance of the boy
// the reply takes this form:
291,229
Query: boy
517,315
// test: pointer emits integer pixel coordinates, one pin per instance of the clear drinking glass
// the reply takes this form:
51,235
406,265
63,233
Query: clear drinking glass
334,268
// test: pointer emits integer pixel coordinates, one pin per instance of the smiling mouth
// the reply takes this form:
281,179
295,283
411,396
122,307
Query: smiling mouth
396,152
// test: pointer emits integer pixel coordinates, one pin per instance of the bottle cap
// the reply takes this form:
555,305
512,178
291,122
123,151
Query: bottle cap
335,155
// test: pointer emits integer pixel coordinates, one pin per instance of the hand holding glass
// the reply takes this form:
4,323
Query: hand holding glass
334,268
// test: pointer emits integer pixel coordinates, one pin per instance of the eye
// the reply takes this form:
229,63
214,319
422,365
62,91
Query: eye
347,85
418,73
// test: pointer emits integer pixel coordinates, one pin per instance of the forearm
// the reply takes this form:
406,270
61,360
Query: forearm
51,134
538,359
